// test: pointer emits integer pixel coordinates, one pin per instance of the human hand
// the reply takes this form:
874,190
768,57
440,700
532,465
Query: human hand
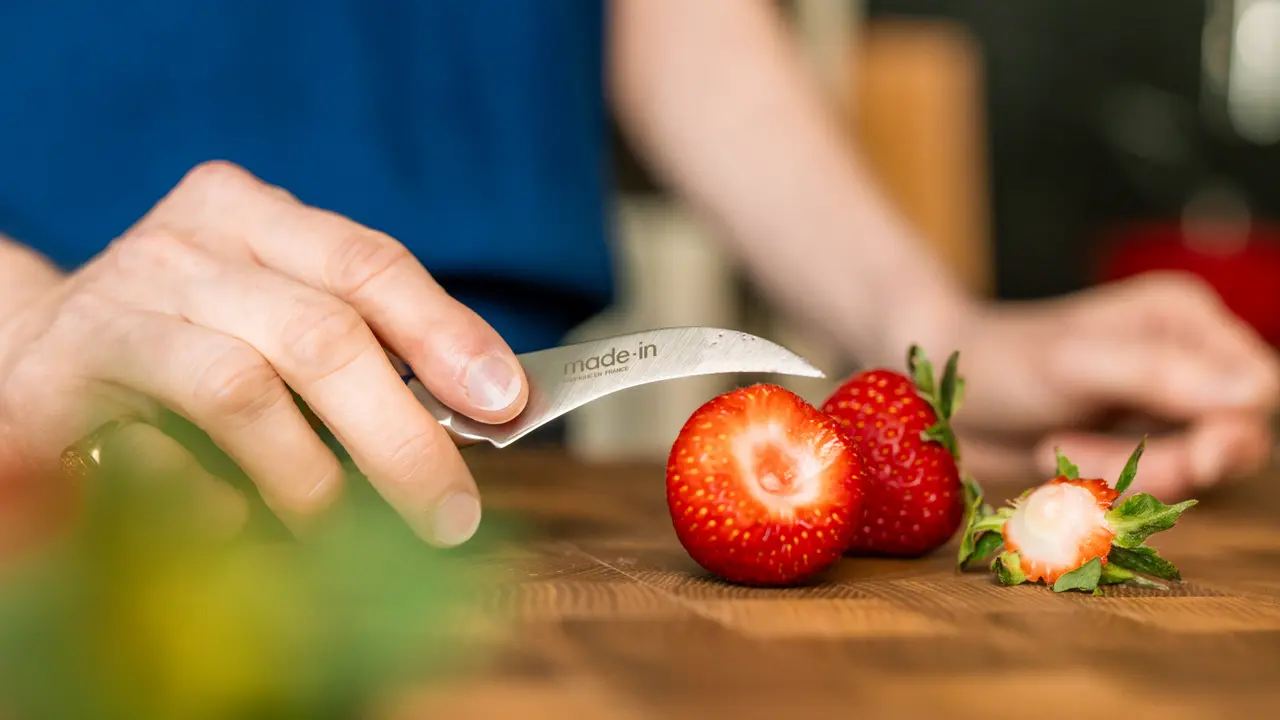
1160,348
228,294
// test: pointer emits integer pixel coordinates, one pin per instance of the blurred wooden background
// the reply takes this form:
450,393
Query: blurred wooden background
910,92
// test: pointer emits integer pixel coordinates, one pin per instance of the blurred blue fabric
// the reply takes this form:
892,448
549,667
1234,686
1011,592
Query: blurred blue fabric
474,132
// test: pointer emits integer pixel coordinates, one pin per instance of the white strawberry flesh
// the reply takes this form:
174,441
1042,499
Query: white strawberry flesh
1057,526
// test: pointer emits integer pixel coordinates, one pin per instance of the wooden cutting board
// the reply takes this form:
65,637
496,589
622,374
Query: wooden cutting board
599,613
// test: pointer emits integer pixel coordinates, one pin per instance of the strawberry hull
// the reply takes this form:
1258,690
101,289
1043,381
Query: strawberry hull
1071,533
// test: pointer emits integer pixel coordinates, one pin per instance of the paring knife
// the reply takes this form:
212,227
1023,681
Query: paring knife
564,378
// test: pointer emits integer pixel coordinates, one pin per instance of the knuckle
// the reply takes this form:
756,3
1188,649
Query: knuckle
87,316
360,258
280,193
213,175
415,456
323,335
1185,286
238,387
153,250
80,312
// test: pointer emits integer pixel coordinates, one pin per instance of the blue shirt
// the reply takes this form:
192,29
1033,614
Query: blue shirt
474,131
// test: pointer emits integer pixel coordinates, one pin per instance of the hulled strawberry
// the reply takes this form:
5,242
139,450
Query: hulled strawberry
1070,534
901,426
763,488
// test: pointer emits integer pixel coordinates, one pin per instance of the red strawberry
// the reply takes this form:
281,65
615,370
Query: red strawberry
763,488
915,500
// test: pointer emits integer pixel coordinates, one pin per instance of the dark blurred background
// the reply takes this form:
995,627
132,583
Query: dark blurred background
1100,114
1039,146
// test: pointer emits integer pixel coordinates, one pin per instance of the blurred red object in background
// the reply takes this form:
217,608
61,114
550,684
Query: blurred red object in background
1241,262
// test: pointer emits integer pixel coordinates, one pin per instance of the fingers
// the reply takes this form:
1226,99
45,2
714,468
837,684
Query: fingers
231,392
453,351
1172,467
1159,377
1212,328
1187,312
324,351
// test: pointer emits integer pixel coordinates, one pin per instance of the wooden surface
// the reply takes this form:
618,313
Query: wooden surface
599,613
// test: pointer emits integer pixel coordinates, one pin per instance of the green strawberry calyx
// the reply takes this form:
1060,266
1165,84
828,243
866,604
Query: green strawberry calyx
983,526
943,394
1128,562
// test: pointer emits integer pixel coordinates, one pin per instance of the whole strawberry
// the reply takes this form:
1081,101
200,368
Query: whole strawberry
763,488
901,426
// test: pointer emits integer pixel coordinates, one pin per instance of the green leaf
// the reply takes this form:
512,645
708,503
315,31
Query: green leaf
993,522
958,398
1141,516
1143,560
921,372
947,392
1144,582
987,543
942,434
972,493
974,511
982,525
981,537
1008,568
1084,578
1130,468
1112,574
1065,467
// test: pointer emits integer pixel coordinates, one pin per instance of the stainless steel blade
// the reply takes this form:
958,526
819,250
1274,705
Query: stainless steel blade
564,378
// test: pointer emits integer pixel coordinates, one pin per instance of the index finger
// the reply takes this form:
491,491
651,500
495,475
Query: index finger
457,355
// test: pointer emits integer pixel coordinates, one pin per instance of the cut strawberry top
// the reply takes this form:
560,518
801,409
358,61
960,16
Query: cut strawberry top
1067,534
1060,526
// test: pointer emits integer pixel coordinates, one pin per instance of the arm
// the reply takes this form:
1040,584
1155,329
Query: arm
717,97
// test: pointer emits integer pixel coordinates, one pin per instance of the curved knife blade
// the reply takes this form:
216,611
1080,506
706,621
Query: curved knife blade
564,378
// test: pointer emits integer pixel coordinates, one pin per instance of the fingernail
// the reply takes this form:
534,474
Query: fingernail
456,520
492,383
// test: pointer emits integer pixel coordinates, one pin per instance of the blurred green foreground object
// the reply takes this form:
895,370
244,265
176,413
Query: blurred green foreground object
142,612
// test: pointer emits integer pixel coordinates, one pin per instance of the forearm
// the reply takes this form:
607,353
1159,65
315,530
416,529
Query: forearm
717,97
23,274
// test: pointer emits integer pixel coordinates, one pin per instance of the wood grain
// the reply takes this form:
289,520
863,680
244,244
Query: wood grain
603,615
